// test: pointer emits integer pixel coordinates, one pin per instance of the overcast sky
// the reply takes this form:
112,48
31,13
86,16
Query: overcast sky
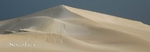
132,9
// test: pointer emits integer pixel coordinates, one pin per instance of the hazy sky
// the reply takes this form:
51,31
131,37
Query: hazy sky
131,9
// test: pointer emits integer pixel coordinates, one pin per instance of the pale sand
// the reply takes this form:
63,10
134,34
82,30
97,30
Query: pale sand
68,29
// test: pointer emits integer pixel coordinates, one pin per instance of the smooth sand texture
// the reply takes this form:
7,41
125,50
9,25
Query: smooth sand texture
68,29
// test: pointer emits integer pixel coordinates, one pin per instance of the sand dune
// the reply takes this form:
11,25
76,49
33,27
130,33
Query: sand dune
68,29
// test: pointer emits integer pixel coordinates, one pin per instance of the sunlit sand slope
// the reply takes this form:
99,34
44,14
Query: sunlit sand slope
68,29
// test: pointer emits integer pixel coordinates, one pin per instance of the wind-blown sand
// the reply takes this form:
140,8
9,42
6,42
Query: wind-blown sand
68,29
